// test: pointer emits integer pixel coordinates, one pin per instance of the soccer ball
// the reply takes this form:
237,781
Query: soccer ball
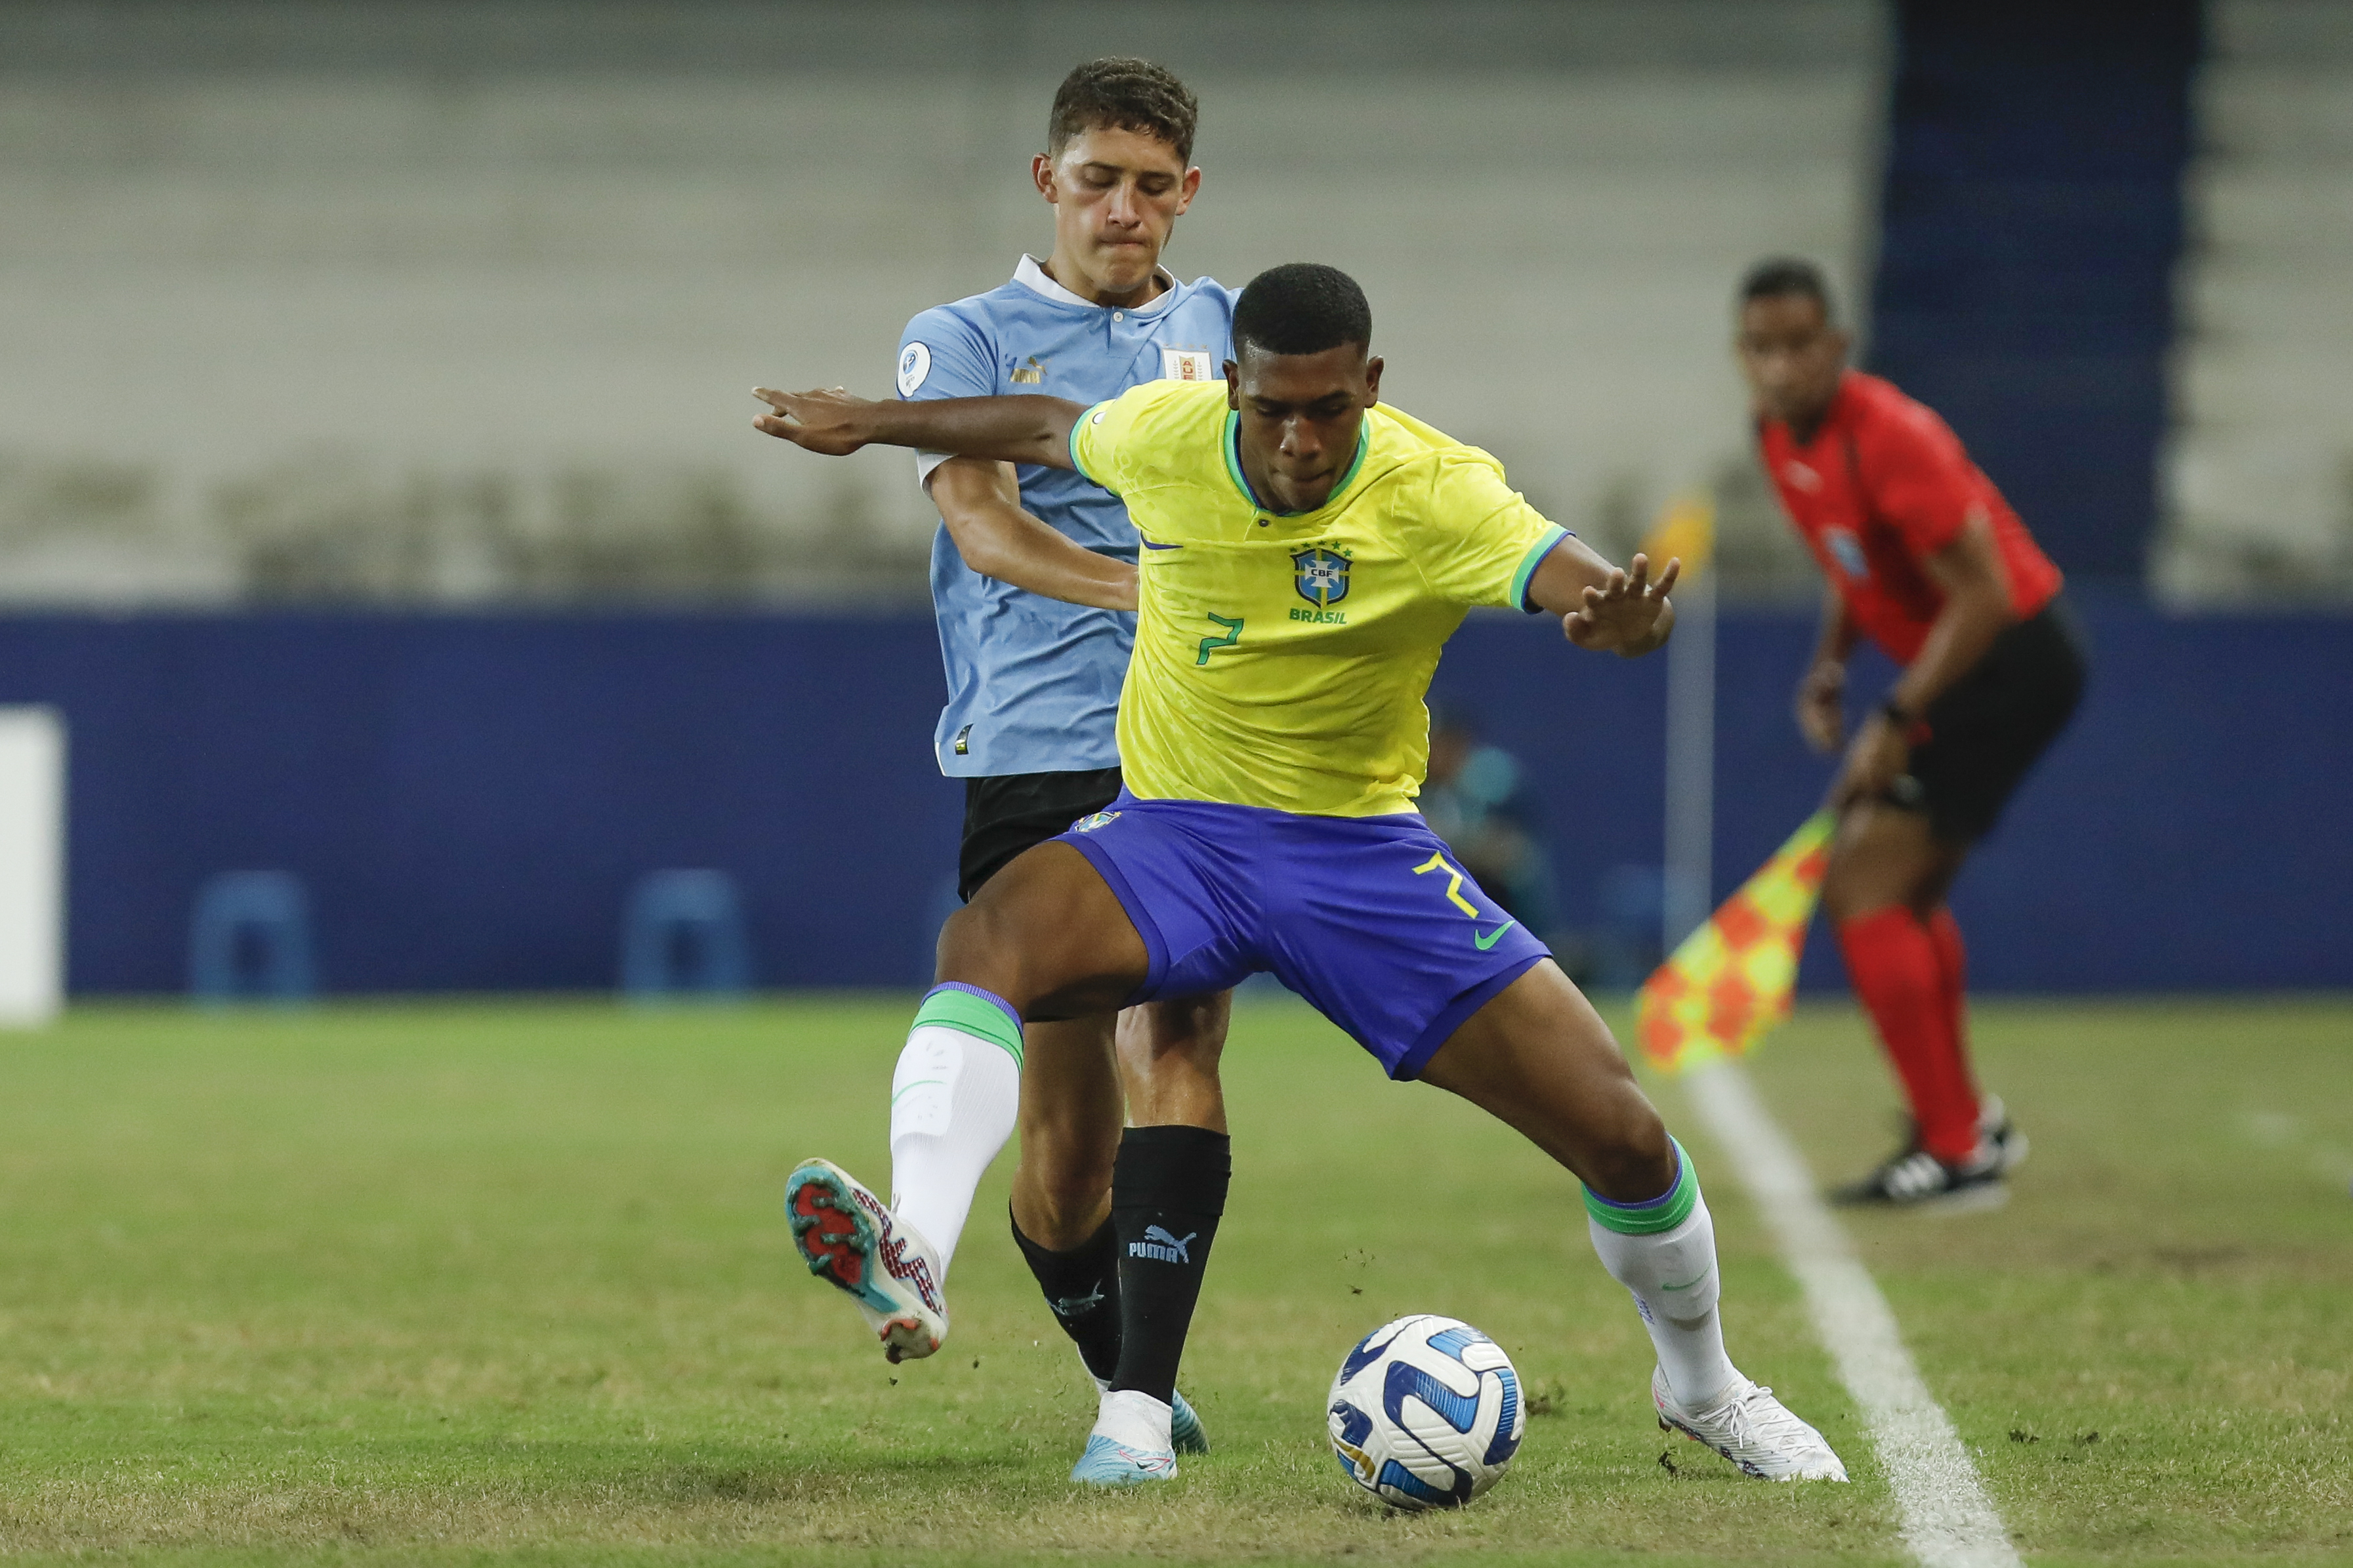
1425,1413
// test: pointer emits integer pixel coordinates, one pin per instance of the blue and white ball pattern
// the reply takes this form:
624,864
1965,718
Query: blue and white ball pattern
1425,1413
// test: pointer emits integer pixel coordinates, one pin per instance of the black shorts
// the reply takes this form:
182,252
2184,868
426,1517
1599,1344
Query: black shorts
1993,724
1003,817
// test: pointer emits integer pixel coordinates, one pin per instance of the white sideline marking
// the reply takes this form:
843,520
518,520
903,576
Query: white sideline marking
1949,1521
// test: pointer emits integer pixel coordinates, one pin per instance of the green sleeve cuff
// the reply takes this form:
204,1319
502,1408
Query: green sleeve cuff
1554,534
1076,426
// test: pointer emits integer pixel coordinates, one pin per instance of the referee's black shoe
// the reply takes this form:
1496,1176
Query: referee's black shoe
1912,1177
1995,1127
1919,1179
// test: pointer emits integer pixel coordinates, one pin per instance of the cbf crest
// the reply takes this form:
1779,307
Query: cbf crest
1321,576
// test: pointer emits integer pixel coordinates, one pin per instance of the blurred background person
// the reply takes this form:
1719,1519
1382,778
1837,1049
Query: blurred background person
1476,798
1920,554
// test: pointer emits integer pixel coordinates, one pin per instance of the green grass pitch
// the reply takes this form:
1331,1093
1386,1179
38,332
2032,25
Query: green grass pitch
511,1283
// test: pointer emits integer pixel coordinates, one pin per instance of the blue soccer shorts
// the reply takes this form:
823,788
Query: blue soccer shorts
1369,918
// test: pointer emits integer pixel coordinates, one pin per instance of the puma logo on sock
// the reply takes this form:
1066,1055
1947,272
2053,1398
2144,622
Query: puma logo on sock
1161,1246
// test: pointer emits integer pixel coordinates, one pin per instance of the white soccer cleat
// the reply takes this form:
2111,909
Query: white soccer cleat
1133,1443
1186,1432
847,1238
1754,1430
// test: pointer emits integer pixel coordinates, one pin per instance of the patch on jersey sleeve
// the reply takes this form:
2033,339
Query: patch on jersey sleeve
1187,364
914,364
1847,550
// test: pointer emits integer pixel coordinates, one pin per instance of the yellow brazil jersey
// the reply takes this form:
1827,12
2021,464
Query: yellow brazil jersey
1281,659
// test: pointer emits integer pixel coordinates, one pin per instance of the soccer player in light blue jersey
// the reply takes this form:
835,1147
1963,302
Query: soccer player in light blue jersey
1034,581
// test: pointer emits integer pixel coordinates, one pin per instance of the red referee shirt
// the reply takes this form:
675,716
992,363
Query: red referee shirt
1885,484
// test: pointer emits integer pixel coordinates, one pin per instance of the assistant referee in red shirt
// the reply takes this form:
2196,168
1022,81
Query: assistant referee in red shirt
1922,555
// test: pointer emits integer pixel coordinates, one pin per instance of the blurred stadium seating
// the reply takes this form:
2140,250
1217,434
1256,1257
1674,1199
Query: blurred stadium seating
2029,226
455,308
2260,466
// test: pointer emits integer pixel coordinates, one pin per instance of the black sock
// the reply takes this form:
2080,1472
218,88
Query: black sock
1082,1288
1167,1190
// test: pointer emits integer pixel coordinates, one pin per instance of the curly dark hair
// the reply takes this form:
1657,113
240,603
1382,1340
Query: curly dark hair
1122,94
1302,308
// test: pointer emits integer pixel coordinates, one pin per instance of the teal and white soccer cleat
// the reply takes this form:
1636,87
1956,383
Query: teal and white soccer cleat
1131,1444
1185,1429
1754,1430
848,1238
1107,1463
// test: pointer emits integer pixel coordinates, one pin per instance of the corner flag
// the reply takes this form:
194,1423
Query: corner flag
1732,979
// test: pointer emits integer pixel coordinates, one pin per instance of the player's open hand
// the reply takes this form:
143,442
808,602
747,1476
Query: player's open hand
833,423
1627,614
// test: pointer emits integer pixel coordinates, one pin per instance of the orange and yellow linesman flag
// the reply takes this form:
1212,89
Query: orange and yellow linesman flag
1732,980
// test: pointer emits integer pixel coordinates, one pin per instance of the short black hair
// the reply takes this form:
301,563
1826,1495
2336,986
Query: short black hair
1121,93
1302,308
1778,277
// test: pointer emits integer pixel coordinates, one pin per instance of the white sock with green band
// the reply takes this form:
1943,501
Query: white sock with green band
954,1102
1664,1250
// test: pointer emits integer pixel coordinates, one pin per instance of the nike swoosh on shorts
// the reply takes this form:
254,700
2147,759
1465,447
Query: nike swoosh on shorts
1493,937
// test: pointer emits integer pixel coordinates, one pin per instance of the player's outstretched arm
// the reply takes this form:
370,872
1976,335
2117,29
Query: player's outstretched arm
1009,429
981,504
1602,608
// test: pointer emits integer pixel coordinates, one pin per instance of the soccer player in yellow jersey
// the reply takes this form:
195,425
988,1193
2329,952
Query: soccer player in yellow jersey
1307,552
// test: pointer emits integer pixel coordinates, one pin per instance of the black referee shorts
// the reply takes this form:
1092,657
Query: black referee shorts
1003,817
1990,728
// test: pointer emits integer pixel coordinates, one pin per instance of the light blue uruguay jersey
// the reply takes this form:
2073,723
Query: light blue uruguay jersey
1033,683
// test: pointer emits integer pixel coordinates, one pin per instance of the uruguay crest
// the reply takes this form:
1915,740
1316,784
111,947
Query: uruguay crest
1322,576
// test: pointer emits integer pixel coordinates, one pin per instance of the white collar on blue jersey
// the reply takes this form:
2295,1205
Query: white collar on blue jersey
1031,275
